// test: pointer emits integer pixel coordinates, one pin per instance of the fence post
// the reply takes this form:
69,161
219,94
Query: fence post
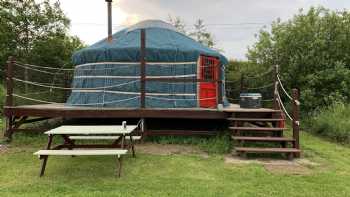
275,89
9,98
242,83
9,81
296,121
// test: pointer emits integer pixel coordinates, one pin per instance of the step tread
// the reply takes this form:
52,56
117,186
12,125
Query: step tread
271,139
257,119
266,150
257,128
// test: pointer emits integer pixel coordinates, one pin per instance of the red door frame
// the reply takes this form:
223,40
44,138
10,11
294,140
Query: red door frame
208,89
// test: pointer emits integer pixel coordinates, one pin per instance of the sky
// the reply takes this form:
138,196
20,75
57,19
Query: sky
233,23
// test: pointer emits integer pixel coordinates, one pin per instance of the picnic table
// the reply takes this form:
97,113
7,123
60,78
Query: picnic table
117,133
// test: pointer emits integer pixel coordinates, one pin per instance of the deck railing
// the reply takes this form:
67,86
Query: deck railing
294,101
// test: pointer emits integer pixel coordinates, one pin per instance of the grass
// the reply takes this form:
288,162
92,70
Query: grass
219,144
332,122
173,175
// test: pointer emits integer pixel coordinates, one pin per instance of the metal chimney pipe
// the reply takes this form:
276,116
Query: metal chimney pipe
109,8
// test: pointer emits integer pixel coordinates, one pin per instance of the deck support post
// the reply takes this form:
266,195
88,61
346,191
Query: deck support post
296,121
143,68
9,119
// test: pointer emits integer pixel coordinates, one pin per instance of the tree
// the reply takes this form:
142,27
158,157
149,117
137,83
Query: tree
312,50
27,24
178,23
201,34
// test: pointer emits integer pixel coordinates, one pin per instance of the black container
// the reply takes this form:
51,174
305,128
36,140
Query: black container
250,100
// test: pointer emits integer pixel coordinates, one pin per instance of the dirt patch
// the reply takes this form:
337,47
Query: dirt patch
169,149
3,148
276,166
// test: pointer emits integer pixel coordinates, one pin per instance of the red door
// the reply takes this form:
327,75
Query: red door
208,72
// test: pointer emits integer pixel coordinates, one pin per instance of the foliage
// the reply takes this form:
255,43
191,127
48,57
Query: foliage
35,32
2,97
312,50
200,33
178,23
333,122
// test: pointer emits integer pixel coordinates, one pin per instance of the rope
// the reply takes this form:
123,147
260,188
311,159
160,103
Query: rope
110,102
41,71
135,77
135,63
284,90
260,75
31,99
62,88
45,67
284,109
173,99
261,87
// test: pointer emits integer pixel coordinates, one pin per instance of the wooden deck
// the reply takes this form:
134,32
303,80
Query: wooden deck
62,110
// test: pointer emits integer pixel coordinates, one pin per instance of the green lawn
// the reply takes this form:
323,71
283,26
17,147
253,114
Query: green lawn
173,175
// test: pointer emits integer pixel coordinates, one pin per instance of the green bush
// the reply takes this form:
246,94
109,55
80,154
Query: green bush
332,122
2,96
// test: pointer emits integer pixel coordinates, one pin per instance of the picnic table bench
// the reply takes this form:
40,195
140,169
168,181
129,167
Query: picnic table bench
117,133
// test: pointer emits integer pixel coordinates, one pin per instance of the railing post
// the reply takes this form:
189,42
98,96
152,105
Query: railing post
9,99
275,89
296,121
242,83
9,81
143,68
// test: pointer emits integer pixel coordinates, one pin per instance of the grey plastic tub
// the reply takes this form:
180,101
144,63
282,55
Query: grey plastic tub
250,100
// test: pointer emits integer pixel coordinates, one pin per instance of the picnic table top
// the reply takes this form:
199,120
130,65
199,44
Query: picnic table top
91,129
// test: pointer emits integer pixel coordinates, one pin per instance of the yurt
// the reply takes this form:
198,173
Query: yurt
148,65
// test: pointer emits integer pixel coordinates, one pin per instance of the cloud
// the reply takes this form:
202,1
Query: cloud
246,17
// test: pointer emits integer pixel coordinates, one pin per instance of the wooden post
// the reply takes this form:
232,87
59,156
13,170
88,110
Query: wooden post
275,89
9,81
9,98
296,121
143,68
242,83
219,84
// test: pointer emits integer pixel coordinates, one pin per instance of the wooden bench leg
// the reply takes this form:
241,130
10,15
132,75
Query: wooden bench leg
43,164
119,165
45,157
132,146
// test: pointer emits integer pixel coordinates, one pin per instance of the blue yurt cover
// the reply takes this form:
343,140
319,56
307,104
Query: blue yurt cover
107,74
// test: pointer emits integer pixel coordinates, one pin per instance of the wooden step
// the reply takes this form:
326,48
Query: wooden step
263,139
256,119
266,150
257,128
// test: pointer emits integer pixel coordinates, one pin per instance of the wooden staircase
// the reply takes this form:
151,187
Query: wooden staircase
260,132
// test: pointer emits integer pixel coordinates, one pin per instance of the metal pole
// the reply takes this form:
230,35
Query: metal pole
109,8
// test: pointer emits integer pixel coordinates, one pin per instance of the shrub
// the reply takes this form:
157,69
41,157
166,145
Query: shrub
2,96
332,122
